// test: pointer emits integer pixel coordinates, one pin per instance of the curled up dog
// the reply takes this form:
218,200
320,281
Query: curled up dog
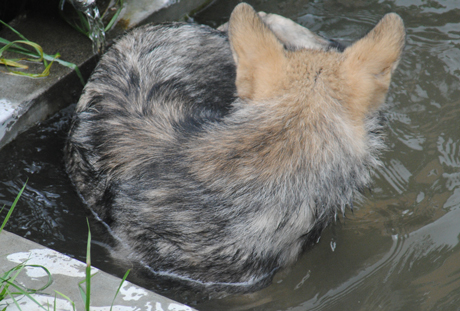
215,155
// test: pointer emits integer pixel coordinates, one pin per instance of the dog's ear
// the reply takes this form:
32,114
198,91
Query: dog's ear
258,54
370,62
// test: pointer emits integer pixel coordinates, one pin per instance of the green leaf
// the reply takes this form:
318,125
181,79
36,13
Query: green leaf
119,287
37,56
12,207
115,16
13,30
86,294
88,268
48,284
68,299
12,63
22,292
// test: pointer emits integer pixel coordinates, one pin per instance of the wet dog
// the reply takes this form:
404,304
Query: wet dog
215,155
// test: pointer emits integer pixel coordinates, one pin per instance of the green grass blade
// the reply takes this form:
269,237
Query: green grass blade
12,63
37,48
7,278
44,73
15,48
82,291
115,16
86,294
66,64
14,30
22,292
84,22
12,207
119,287
18,270
73,25
14,300
40,53
68,299
9,45
88,268
4,288
48,284
50,58
81,25
71,66
37,57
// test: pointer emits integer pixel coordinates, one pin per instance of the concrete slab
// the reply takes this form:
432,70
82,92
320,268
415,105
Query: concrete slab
25,101
66,273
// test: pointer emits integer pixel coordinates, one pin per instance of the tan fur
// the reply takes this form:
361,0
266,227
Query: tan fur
369,63
307,90
258,54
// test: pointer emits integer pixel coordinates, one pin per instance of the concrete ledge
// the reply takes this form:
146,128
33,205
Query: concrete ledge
24,102
66,273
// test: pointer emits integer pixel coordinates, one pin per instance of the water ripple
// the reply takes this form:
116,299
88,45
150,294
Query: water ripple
396,174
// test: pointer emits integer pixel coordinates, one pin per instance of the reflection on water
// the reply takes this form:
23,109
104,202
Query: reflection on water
398,251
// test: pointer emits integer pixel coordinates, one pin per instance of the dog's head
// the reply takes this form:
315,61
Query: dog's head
357,78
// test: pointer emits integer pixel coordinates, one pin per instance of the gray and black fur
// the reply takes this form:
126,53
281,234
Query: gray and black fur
200,182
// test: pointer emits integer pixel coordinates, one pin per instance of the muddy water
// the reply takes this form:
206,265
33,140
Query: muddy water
398,251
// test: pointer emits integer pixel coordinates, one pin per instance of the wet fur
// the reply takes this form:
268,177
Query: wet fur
214,158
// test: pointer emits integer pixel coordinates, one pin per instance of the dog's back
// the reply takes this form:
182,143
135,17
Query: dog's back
218,174
155,85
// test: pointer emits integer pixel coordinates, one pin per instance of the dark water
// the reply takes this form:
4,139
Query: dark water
399,250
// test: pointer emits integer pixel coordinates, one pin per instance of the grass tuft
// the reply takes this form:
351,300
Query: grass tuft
33,52
9,288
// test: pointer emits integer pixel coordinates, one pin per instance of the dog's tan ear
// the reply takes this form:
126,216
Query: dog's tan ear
258,54
370,62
